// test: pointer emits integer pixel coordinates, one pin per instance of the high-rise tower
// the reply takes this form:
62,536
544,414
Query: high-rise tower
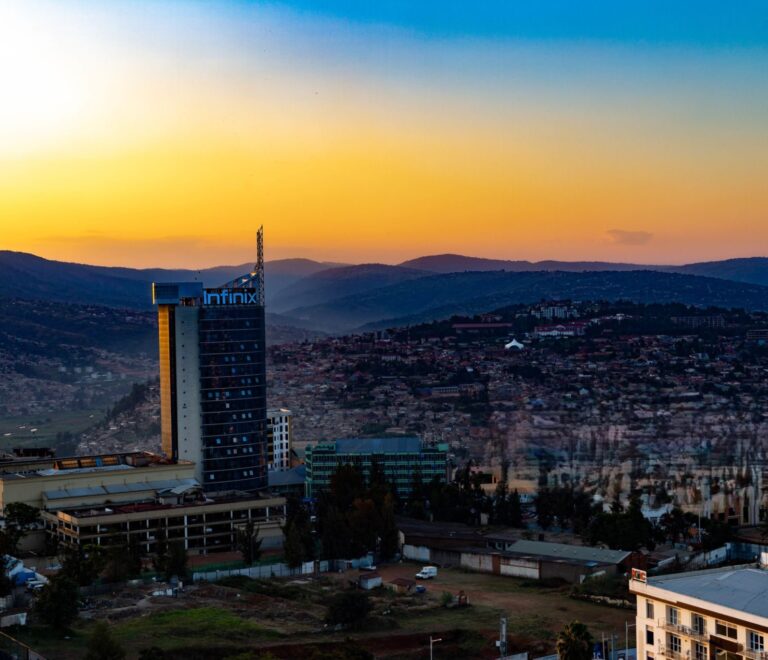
213,378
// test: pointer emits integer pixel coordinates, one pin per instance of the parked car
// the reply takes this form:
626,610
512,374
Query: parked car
427,573
34,585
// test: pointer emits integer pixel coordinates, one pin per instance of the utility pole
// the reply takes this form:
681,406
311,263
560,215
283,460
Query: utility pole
432,641
502,643
627,626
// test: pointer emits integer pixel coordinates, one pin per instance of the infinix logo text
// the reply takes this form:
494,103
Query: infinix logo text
230,297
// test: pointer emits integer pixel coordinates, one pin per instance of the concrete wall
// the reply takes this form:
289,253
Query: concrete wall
416,552
477,562
523,568
188,420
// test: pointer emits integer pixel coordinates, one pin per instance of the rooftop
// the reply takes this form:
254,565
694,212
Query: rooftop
100,463
233,497
570,552
394,445
291,477
743,589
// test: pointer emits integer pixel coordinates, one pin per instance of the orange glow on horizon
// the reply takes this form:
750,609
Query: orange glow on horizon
136,160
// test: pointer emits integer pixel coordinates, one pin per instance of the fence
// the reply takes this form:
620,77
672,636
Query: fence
13,649
745,551
283,570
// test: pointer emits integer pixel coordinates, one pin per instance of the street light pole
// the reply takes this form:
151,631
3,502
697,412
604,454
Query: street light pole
627,626
433,640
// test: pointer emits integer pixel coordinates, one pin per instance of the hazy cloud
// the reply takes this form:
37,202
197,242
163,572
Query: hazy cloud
624,237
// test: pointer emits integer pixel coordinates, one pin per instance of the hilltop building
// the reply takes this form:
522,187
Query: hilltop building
718,614
399,458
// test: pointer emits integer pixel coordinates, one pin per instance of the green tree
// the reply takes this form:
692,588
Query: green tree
293,546
515,510
545,514
122,560
347,485
249,543
298,540
335,534
389,535
348,608
6,583
56,605
574,642
102,645
364,524
176,565
19,519
21,516
83,564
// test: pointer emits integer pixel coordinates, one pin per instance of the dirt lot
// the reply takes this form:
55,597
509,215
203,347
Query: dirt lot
283,615
534,612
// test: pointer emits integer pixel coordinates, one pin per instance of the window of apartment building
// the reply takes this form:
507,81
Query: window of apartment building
675,645
673,616
755,641
701,652
649,636
648,609
699,624
725,629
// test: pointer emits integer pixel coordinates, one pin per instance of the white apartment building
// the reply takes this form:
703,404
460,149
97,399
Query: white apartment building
279,439
716,614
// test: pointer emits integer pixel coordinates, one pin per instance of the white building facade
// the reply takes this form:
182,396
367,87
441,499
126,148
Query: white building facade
279,439
717,614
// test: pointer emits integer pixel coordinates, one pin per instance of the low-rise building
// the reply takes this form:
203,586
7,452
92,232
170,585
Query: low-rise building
400,459
716,614
140,496
203,524
70,482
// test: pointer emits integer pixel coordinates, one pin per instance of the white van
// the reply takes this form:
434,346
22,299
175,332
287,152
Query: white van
427,573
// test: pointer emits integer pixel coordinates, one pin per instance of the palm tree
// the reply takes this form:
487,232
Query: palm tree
574,642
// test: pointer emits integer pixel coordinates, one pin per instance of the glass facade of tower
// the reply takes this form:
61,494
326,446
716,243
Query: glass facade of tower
233,397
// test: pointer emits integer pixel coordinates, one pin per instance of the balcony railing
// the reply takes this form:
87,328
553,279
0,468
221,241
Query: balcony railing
667,652
754,654
687,631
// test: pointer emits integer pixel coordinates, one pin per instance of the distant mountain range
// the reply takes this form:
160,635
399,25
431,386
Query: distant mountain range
28,276
752,269
304,296
442,296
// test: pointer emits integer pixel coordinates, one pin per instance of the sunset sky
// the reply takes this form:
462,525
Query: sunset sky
164,133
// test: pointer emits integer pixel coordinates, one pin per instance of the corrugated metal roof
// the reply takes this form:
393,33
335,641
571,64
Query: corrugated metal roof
114,489
744,589
52,472
565,551
291,477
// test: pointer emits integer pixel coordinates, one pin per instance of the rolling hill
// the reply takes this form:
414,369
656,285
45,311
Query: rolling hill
31,277
310,296
440,296
326,285
752,269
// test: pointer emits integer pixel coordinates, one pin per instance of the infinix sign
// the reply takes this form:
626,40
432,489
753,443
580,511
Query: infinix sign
230,297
